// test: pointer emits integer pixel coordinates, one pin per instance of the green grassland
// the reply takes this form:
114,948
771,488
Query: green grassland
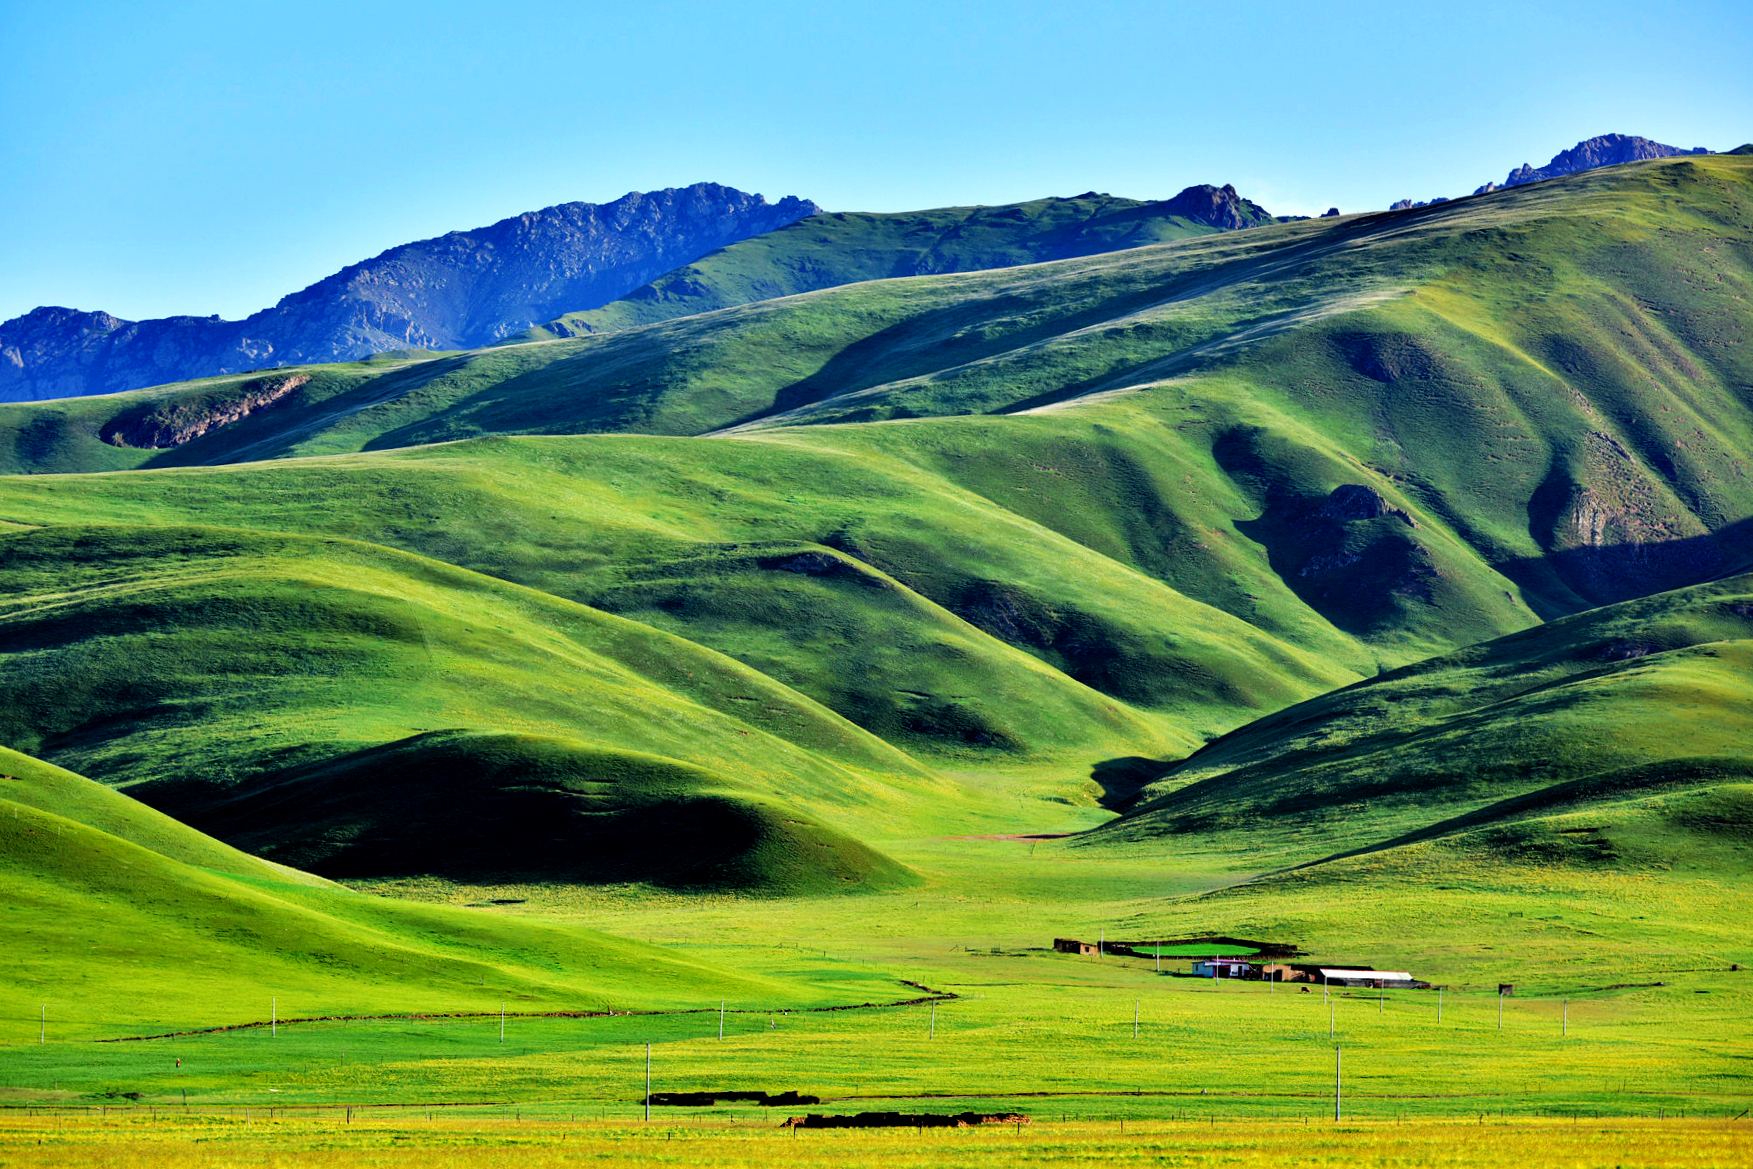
1372,585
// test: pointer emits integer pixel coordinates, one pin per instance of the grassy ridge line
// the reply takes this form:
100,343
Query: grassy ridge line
119,913
836,248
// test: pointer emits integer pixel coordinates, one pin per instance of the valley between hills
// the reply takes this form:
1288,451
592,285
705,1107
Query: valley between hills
770,663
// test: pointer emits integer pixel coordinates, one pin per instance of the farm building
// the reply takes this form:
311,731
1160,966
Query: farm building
1283,972
1223,968
1348,976
1073,946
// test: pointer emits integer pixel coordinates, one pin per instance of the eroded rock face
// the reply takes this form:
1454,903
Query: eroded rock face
464,289
161,425
1612,529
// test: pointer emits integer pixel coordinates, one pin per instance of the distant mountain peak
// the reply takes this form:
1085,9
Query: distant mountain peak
1590,154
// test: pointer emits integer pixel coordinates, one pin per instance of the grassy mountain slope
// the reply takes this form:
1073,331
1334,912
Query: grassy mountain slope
1596,740
123,919
969,631
1364,326
212,668
835,248
1581,333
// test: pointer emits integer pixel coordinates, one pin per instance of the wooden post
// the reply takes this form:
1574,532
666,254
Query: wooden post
1564,1025
1135,1018
1329,1018
721,1018
502,1021
43,1027
1159,957
648,1081
1337,1080
1439,1004
273,1016
1500,1008
1101,940
1381,999
932,1034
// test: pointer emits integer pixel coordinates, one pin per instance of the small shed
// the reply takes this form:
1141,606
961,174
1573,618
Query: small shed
1073,946
1283,972
1222,968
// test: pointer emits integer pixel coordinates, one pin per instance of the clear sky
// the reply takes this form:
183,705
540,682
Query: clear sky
211,157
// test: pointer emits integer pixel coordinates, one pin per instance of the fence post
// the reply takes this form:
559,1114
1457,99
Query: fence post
1337,1080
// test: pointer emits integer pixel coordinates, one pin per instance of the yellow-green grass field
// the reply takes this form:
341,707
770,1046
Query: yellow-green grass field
414,1139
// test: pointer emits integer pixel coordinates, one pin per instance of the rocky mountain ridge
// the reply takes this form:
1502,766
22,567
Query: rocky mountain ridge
459,290
1589,154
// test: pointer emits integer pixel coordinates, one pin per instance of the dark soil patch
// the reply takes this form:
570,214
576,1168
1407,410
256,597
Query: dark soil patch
708,1099
905,1120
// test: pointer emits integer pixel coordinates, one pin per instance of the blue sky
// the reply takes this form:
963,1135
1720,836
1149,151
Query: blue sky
209,158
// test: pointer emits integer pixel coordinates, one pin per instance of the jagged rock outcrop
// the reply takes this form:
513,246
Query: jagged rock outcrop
1603,150
1219,207
463,289
159,425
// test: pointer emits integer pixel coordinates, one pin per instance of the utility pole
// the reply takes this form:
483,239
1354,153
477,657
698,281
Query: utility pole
43,1027
1337,1079
1329,1018
273,1016
648,1081
932,1034
1439,1004
721,1018
1500,1008
1135,1018
1564,1025
502,1021
1101,940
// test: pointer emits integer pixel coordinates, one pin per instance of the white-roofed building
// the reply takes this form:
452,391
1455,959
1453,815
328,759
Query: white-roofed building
1349,976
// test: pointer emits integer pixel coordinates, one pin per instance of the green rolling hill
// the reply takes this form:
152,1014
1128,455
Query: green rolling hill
369,688
1618,738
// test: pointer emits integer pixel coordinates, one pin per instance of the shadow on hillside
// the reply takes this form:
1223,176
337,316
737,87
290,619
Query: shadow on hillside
1574,579
1123,778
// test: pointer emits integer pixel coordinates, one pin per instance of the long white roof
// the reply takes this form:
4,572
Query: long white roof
1349,972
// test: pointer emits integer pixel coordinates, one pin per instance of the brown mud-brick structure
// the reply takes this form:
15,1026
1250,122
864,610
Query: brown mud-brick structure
1073,946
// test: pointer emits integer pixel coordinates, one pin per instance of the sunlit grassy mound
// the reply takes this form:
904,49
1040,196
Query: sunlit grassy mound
124,920
1619,737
